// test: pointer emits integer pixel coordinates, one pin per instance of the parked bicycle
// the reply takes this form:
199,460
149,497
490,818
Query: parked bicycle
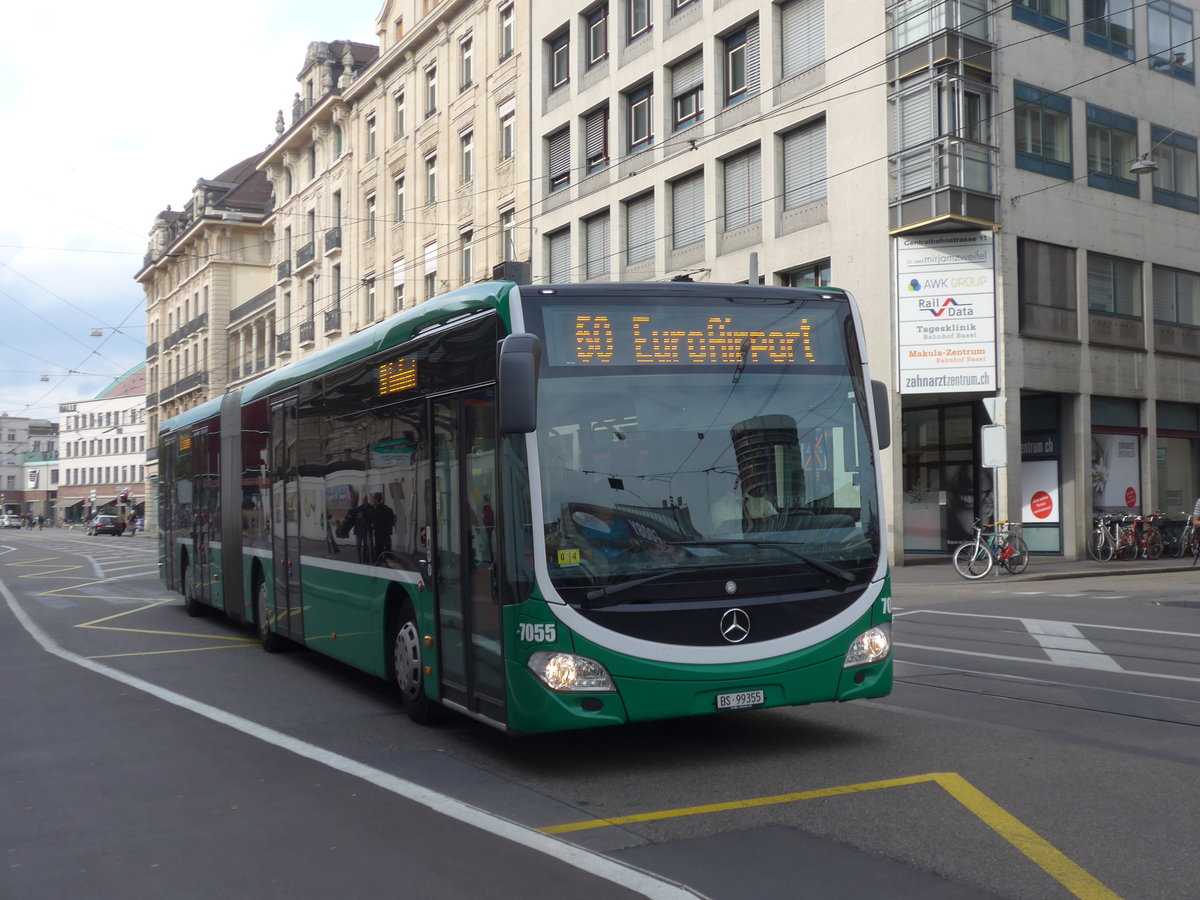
1140,536
998,544
1102,542
1180,538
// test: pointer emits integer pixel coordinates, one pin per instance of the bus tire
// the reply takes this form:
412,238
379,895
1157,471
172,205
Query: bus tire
191,605
408,670
270,640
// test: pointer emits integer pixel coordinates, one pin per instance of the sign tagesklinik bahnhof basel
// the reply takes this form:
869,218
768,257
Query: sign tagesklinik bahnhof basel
946,312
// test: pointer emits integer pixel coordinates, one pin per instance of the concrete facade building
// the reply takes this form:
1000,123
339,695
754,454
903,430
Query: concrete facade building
103,450
964,168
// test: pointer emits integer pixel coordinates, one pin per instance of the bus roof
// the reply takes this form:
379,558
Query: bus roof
391,331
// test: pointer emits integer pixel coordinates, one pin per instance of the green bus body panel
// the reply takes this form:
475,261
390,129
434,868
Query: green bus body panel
648,690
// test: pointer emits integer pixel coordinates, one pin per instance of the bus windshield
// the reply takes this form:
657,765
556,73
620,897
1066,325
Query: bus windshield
682,447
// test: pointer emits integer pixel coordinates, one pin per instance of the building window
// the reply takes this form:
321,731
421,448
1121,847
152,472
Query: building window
466,257
508,136
687,210
595,130
466,63
431,98
1175,180
466,144
1043,130
560,62
802,36
638,105
639,19
1046,281
369,285
1176,296
559,151
398,198
1108,26
401,124
431,179
507,32
558,251
596,233
369,218
743,189
430,285
1114,286
508,235
1169,33
398,276
741,64
338,142
816,274
639,229
1048,15
312,161
431,261
804,169
687,91
1112,147
597,34
370,137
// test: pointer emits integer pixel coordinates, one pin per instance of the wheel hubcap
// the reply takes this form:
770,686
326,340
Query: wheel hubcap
408,660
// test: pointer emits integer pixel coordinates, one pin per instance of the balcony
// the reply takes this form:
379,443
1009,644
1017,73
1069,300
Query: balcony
333,239
283,343
948,177
283,270
307,332
305,255
152,350
333,321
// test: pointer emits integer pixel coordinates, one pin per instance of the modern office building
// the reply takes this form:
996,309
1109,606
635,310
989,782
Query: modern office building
103,441
1010,191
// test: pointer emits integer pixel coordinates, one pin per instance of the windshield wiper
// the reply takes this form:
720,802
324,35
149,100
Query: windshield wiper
609,589
821,565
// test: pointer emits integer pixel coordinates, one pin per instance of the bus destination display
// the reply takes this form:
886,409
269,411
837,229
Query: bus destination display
397,376
680,337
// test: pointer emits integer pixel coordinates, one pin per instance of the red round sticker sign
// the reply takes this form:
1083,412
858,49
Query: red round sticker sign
1130,497
1041,505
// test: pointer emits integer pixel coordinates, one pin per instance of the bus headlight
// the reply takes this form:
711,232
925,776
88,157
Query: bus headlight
568,672
871,646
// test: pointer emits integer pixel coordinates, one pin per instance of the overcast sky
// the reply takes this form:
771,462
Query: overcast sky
110,113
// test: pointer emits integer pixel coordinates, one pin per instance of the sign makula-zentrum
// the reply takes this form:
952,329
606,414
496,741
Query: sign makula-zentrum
946,312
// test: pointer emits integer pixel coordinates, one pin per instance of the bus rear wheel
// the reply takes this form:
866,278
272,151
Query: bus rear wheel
271,642
191,605
408,670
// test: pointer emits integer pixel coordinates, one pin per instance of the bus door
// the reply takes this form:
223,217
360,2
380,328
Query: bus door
464,552
168,507
285,521
200,578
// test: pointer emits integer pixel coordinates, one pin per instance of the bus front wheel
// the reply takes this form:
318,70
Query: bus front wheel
408,670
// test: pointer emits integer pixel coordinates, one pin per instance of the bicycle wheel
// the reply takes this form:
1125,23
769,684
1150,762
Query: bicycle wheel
1017,561
1193,542
972,560
1107,546
1099,545
1153,544
1173,546
1127,545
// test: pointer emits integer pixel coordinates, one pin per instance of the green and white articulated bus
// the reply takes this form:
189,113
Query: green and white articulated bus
554,507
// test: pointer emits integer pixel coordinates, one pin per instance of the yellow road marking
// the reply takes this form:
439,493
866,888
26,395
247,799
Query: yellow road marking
249,643
1040,851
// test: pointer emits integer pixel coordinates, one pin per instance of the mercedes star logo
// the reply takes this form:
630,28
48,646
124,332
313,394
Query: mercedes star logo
735,625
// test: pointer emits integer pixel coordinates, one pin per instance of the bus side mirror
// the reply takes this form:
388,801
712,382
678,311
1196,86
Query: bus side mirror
883,417
520,358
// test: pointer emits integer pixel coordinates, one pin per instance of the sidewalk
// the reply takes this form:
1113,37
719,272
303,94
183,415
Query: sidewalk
940,570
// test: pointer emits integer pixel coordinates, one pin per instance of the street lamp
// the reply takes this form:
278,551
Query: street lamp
1143,165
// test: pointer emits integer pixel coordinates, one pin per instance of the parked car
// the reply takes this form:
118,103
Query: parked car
106,525
10,521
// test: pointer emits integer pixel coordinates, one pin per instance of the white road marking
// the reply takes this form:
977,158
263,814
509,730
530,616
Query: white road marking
628,877
1066,645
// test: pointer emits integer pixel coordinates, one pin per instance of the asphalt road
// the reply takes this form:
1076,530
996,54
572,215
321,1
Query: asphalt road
1037,745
